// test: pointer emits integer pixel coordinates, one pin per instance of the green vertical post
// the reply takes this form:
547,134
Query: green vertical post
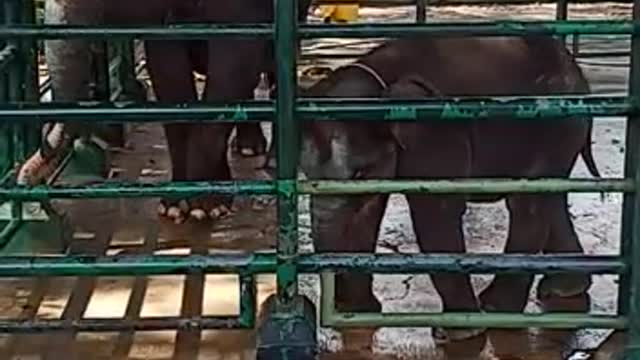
286,149
15,93
13,14
31,88
629,292
3,75
421,11
288,330
6,130
15,77
562,9
30,51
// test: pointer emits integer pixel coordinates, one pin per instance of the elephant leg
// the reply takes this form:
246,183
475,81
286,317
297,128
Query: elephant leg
527,226
354,292
69,61
232,72
250,140
170,69
563,239
437,222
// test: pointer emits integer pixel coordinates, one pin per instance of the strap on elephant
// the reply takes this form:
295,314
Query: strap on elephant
369,70
383,84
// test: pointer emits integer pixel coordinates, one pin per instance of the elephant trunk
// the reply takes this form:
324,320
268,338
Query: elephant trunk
42,164
328,214
69,66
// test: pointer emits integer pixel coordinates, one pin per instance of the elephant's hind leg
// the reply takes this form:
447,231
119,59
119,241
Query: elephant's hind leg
566,291
250,140
437,222
528,224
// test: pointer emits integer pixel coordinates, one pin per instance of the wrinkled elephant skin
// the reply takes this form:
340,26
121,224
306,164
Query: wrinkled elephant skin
232,67
434,67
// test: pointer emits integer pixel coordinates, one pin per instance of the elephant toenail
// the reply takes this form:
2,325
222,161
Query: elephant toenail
162,209
174,212
198,214
184,206
247,151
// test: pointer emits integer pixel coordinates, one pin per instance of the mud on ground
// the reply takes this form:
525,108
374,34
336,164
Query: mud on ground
130,226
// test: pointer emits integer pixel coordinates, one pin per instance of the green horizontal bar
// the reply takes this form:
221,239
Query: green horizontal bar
136,265
468,186
137,190
170,32
127,111
119,325
477,28
457,263
262,263
203,31
462,109
329,317
261,187
468,108
478,320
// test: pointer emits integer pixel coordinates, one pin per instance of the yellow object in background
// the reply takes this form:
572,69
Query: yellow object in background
340,13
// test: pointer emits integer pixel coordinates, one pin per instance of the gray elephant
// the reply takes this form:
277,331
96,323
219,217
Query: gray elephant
232,66
434,67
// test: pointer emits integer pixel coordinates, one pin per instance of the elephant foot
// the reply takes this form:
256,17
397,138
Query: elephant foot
358,340
363,304
443,336
565,293
580,303
249,141
173,210
269,165
199,209
563,285
492,299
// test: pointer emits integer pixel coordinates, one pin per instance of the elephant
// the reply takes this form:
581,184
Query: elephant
424,67
232,67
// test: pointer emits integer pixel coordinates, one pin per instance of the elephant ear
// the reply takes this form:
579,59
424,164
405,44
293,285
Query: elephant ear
410,86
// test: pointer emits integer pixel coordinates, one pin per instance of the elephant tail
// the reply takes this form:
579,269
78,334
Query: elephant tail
587,154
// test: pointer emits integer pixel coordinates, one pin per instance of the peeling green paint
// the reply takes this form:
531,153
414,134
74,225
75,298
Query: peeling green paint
401,112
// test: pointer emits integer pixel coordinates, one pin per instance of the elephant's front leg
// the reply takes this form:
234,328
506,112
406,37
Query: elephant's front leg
170,68
250,140
528,231
350,224
233,68
69,61
437,222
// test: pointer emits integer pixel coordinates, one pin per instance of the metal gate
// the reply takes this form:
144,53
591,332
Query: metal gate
288,330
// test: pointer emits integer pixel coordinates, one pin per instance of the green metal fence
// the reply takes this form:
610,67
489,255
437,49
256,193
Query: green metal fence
21,114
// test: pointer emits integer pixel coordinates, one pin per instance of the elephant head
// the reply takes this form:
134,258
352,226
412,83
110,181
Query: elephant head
347,150
344,150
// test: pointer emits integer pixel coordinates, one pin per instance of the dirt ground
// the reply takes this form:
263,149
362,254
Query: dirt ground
131,226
